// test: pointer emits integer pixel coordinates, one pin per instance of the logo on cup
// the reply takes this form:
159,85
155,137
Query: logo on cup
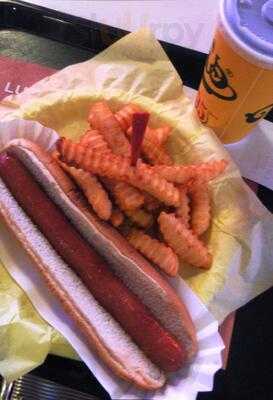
216,80
203,112
259,114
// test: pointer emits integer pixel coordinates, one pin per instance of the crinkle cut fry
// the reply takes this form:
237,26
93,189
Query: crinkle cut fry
116,167
109,165
125,115
183,173
162,133
183,210
126,196
130,199
93,190
94,139
117,217
140,217
144,178
157,155
102,119
150,202
200,207
159,253
157,136
137,215
183,241
153,149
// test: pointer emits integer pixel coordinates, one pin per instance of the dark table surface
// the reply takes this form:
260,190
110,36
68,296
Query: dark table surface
249,373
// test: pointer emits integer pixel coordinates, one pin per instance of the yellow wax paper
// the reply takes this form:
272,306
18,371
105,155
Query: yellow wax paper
136,69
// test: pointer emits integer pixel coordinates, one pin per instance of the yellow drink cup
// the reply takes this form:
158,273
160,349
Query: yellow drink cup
236,90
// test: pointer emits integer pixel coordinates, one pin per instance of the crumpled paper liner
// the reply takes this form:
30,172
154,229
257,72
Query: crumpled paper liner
186,383
137,69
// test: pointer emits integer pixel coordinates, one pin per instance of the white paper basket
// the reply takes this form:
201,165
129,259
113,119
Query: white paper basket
182,385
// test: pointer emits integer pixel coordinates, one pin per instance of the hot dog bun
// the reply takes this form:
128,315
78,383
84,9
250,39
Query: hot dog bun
128,264
104,335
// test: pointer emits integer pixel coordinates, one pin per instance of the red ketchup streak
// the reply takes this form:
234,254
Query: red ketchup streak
139,124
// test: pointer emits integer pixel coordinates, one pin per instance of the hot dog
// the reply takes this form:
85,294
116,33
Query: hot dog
116,299
129,290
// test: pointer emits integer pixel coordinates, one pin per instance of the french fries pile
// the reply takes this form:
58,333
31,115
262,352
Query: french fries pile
163,209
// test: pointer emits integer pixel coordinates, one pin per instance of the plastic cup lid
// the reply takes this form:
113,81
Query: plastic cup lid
252,22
